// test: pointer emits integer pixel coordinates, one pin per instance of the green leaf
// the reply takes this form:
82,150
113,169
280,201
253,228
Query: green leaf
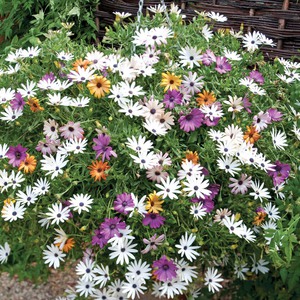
74,11
283,273
40,15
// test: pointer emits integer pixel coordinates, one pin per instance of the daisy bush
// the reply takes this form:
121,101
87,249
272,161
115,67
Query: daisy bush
166,159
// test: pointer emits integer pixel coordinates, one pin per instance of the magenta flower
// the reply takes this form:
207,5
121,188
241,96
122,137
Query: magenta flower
16,155
49,77
153,220
48,147
152,243
281,172
18,102
71,130
99,238
274,114
122,202
223,66
257,76
208,58
247,104
208,201
171,98
102,148
165,269
191,121
111,226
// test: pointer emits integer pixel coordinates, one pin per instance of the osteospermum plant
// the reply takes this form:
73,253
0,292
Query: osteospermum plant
165,164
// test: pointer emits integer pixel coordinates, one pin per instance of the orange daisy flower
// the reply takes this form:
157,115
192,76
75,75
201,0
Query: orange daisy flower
192,156
261,215
251,135
206,98
154,203
28,164
81,63
99,86
69,244
34,104
98,169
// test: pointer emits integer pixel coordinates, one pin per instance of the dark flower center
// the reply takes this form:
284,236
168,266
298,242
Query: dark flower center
278,168
189,117
240,182
71,129
166,267
112,226
18,155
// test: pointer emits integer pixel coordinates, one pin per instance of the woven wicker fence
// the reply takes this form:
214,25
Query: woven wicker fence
277,19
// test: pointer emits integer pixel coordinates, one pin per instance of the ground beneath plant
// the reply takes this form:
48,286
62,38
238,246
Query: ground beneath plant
13,289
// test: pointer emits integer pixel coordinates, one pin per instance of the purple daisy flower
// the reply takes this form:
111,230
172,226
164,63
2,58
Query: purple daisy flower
275,114
247,104
16,155
122,202
111,226
18,102
257,76
281,172
208,58
191,121
171,98
102,148
166,269
67,203
208,122
223,66
99,238
208,201
153,220
49,77
259,209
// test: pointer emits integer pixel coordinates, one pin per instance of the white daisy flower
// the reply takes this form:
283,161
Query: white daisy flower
217,16
54,165
185,272
66,56
57,213
85,288
13,211
53,256
169,188
139,206
81,202
240,269
198,211
81,74
196,185
259,266
28,90
232,224
173,287
139,270
84,269
27,198
155,127
4,253
259,192
272,211
10,115
185,247
101,275
140,144
190,57
207,33
3,150
145,160
41,187
133,287
229,165
212,279
123,253
279,139
251,41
